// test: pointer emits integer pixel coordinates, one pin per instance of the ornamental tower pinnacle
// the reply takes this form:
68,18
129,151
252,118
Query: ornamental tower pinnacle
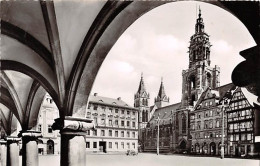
200,75
161,100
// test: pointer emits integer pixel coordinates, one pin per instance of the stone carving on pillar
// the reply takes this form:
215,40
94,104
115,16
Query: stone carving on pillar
72,125
30,134
73,131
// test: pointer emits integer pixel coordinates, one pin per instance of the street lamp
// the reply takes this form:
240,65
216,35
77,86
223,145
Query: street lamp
158,122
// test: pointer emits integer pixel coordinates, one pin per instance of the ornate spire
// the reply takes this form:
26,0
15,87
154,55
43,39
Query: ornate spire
141,88
161,100
199,24
161,93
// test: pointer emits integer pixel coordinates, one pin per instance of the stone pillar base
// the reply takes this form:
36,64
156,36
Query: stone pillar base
30,147
13,151
3,153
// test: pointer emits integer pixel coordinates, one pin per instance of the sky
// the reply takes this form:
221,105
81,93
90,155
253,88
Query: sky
157,44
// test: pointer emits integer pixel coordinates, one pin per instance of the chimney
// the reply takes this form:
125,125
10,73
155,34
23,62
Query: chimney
119,98
95,94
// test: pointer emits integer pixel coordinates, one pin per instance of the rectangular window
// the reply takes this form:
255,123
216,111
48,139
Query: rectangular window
249,137
133,134
128,112
116,133
128,145
102,121
94,144
94,132
87,144
116,122
116,143
198,127
110,110
110,145
110,122
128,134
133,144
39,127
49,129
110,133
122,134
231,138
116,111
102,132
237,137
122,123
95,107
88,132
133,113
122,112
210,113
133,124
127,123
243,137
122,145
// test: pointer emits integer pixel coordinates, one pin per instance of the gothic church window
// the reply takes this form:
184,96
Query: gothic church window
183,123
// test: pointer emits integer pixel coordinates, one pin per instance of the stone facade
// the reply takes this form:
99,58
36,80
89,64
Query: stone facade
206,122
116,125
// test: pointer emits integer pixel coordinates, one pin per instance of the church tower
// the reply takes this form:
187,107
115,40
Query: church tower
161,100
141,101
199,75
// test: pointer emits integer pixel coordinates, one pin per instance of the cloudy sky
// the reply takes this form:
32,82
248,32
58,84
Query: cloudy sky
157,44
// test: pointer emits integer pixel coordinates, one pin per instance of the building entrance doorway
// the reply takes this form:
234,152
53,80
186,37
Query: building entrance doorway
212,148
103,146
50,147
183,146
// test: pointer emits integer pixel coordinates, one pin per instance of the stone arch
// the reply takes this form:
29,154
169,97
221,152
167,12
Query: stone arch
208,80
50,146
183,144
197,148
212,148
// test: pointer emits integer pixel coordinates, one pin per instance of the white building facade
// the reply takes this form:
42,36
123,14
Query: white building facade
116,125
50,141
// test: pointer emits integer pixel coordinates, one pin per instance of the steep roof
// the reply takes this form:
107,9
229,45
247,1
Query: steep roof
164,114
161,92
108,101
219,92
224,89
141,88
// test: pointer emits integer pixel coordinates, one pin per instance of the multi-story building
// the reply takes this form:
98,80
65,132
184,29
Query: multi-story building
206,122
49,143
241,125
116,125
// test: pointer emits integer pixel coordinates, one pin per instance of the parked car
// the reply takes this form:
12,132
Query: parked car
131,153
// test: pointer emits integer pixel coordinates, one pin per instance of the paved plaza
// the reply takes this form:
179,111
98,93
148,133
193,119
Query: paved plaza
152,160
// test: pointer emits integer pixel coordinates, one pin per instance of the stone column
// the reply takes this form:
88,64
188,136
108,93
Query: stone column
30,147
12,151
3,153
73,144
